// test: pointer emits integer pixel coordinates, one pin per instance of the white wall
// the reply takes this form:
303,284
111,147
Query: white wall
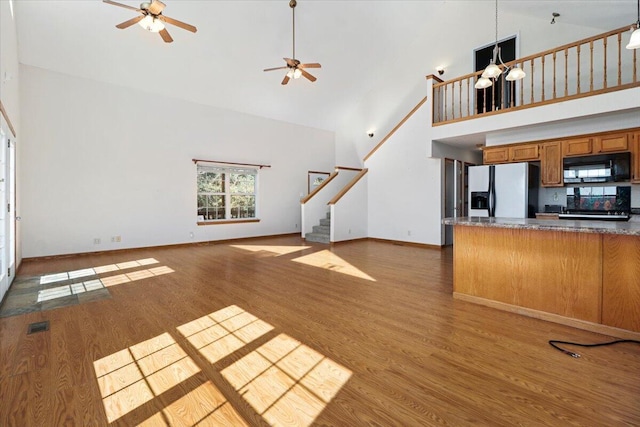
9,94
349,218
396,93
405,187
100,161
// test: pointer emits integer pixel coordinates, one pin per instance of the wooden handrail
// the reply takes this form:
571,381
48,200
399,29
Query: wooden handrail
308,197
561,84
347,168
395,128
6,117
230,163
347,187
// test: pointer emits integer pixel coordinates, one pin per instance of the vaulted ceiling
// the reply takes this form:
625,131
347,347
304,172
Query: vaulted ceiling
362,46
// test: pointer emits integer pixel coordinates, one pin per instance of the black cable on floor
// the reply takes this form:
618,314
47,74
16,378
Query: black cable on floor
554,344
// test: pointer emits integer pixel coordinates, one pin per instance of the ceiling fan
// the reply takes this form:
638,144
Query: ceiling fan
152,19
294,68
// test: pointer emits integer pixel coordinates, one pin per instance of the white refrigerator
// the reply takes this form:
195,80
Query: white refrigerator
506,191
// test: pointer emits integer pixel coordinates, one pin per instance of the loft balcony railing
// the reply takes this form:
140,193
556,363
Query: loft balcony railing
587,67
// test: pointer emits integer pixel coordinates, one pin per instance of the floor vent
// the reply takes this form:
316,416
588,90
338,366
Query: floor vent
38,327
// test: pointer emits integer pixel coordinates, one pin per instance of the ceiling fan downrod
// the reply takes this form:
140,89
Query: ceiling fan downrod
292,5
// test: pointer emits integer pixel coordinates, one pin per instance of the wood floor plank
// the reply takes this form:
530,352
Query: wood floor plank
365,334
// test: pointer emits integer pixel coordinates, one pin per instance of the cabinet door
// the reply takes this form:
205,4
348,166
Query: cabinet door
635,157
551,165
618,142
495,155
577,147
523,153
621,281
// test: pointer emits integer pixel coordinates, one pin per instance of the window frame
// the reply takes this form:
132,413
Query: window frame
228,194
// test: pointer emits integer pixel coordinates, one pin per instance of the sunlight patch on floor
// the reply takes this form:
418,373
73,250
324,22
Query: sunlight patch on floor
287,382
132,377
86,272
330,261
221,333
92,285
275,250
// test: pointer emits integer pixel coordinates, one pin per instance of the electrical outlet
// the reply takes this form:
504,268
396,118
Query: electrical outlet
191,235
408,232
96,241
116,239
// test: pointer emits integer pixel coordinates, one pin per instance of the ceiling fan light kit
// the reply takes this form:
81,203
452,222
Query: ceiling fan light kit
493,71
151,24
294,68
634,41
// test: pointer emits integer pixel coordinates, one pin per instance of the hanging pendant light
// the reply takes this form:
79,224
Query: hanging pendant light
634,41
493,71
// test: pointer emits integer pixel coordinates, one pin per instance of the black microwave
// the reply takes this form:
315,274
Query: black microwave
598,168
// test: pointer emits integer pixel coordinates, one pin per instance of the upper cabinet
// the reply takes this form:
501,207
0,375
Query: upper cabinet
551,164
495,155
613,143
551,153
635,157
524,153
577,147
508,154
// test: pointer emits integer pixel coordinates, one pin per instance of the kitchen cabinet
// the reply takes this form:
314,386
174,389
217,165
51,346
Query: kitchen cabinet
524,153
551,164
613,143
511,154
621,282
635,157
577,147
495,155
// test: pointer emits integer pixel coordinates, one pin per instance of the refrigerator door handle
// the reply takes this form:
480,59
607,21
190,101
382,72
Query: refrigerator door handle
492,191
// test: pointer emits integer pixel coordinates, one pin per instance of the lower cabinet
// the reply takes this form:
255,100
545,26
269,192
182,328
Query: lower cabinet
621,281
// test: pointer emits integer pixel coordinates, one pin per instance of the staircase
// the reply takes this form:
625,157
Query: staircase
321,233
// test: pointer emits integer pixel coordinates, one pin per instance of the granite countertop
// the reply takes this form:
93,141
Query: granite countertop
630,228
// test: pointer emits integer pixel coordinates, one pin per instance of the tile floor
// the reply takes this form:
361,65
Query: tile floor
29,294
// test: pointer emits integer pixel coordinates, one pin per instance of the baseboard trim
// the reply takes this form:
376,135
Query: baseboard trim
403,243
176,245
550,317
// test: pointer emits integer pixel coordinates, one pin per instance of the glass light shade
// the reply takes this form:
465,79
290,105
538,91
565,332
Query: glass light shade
634,41
516,74
297,73
492,71
152,24
483,83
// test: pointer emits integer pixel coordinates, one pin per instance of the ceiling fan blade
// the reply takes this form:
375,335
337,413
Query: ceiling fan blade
165,35
130,22
276,68
312,65
156,7
177,23
122,5
291,62
285,80
307,75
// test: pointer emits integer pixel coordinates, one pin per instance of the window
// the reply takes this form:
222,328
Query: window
226,193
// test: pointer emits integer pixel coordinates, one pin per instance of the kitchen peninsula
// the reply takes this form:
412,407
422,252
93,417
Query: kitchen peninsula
584,274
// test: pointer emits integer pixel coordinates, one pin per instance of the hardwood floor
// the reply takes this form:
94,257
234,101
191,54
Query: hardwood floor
273,331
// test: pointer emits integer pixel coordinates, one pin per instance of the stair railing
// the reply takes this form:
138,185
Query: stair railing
588,67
